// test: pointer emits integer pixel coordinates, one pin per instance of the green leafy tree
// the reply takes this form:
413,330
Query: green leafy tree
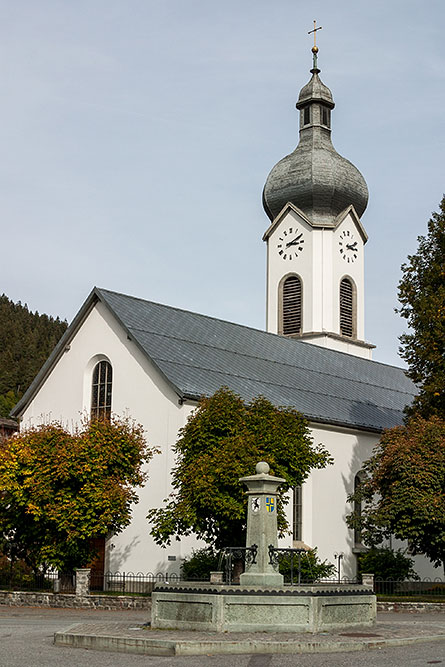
222,441
404,494
60,490
404,490
422,299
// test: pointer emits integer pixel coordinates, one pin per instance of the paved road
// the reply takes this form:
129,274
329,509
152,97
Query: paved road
26,636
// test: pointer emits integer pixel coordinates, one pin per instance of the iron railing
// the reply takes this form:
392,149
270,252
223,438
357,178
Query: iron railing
296,567
129,583
232,555
425,588
40,581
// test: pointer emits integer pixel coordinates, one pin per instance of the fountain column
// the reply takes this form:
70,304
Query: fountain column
262,527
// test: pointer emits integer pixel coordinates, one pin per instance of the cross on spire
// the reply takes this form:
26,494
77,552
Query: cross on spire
315,47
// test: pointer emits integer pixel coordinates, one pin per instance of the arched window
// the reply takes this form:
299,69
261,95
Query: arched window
290,300
347,308
358,480
101,389
297,514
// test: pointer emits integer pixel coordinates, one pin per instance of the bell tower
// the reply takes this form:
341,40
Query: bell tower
315,198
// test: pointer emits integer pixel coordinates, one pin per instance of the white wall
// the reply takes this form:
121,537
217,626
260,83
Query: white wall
324,494
140,391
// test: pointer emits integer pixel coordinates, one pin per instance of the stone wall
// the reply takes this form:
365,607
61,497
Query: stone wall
415,607
111,602
117,602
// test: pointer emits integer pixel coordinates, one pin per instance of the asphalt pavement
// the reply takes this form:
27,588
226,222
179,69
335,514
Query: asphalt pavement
27,638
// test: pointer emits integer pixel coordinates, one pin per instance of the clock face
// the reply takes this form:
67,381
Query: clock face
290,243
348,246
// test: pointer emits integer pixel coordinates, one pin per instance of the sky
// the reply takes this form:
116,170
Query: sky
137,135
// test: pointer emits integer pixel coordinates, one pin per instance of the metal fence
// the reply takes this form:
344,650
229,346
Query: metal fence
129,583
233,560
140,583
40,581
425,588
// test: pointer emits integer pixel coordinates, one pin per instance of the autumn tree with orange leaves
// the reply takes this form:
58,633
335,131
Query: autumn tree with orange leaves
60,489
403,493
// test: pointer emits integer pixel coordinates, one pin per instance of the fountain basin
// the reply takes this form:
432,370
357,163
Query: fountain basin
222,608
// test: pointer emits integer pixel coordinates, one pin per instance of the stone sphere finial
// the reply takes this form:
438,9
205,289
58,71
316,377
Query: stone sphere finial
262,467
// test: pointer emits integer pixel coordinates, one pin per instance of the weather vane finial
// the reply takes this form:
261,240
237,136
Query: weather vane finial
315,47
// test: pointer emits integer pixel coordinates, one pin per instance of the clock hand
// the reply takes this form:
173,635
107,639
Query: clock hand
352,246
295,241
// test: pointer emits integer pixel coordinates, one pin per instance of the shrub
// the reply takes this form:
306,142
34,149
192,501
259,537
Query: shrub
387,564
311,567
199,565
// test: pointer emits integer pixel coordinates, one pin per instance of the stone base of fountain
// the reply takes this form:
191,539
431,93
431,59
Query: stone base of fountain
223,608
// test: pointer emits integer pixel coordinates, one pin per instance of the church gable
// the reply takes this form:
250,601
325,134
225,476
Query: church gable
95,369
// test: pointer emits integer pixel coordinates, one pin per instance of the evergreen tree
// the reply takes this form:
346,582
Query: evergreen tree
26,340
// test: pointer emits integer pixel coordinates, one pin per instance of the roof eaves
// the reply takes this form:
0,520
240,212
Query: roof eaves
347,425
141,348
276,221
341,216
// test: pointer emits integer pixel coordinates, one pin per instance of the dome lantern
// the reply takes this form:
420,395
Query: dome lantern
314,177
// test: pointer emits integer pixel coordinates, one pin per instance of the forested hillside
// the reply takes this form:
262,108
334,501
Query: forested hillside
26,339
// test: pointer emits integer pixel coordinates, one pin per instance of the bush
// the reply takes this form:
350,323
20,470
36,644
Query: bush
199,565
311,567
203,561
387,564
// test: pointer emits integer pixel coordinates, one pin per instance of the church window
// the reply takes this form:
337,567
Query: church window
297,514
346,308
306,116
291,303
101,389
358,479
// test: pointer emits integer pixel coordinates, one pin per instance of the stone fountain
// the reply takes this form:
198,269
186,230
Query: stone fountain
261,602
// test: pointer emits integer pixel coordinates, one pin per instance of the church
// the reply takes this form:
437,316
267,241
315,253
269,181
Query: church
128,355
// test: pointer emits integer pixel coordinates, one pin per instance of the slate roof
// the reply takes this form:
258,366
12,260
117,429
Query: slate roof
199,354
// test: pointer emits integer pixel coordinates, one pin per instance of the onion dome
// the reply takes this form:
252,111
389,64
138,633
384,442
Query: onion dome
314,177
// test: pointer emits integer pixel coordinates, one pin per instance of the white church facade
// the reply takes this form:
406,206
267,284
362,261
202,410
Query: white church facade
153,362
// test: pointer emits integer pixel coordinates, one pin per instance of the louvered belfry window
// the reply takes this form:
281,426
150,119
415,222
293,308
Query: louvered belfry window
346,308
292,305
101,389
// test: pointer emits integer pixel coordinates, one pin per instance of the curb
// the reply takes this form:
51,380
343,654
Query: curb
164,647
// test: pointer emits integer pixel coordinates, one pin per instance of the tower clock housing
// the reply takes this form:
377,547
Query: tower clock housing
315,243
